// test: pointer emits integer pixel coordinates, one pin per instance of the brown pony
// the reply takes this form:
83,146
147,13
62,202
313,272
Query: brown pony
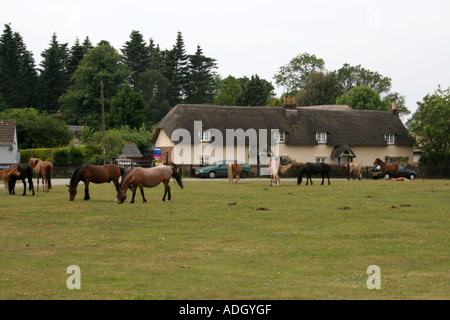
234,172
42,169
387,167
5,175
354,169
94,173
149,178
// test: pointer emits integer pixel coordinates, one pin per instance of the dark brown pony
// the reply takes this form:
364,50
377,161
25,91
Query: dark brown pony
149,178
94,173
314,168
25,171
6,175
44,170
387,167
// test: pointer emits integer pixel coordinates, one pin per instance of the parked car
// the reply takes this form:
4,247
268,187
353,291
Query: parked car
402,172
220,169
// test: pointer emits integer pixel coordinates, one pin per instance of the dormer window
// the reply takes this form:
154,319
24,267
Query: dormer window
280,136
206,136
390,138
321,137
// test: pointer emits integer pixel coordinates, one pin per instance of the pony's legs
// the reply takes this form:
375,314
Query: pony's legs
166,191
142,193
134,193
86,191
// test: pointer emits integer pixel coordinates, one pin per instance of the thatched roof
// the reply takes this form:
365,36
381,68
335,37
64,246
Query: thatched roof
343,125
7,129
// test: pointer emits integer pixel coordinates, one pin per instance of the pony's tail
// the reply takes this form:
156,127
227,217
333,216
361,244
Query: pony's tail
178,178
49,177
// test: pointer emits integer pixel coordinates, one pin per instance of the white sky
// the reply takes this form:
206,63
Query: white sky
407,41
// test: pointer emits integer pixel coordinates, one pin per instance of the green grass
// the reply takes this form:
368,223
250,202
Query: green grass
313,242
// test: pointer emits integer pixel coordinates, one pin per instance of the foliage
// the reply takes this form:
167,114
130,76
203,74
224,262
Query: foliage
18,75
127,107
292,75
38,129
318,89
255,92
228,91
155,91
81,103
430,125
64,156
136,57
363,98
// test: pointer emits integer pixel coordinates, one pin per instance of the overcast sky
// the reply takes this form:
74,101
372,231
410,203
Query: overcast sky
407,41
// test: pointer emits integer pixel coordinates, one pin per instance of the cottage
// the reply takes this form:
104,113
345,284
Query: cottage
334,134
9,149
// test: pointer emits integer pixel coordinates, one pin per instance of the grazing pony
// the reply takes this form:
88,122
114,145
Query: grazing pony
354,169
149,178
25,171
42,169
6,175
274,167
387,167
234,172
314,168
94,173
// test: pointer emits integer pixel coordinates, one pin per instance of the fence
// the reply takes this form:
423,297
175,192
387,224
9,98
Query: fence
336,171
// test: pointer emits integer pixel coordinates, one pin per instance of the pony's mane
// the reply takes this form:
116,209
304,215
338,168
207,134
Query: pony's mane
73,179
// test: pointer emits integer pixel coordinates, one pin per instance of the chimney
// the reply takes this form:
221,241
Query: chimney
394,109
289,105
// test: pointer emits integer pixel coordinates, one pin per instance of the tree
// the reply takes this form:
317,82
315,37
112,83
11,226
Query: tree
349,77
430,125
127,107
81,103
136,57
18,75
53,77
155,90
293,75
318,89
176,71
255,92
363,98
37,129
228,91
76,54
201,78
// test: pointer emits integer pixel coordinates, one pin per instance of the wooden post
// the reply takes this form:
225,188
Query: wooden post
103,123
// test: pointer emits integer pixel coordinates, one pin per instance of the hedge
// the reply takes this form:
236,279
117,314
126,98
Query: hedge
63,156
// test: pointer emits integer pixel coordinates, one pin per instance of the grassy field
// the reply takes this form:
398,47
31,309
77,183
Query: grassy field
221,241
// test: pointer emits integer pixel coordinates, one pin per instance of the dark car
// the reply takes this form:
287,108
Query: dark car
402,172
220,169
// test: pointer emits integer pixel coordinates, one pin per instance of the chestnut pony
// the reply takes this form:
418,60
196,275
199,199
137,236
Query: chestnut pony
94,173
6,175
148,178
387,167
234,172
44,170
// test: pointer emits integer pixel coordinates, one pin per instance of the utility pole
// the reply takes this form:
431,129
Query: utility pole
103,123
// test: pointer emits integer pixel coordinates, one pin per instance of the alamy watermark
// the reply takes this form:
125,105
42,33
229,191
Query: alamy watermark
191,148
374,279
73,281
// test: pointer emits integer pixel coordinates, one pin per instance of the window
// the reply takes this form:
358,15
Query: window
279,136
389,138
205,160
321,160
321,137
206,136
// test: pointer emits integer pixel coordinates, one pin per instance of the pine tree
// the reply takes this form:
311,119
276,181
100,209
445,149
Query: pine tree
176,71
54,77
76,54
18,75
201,85
137,57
